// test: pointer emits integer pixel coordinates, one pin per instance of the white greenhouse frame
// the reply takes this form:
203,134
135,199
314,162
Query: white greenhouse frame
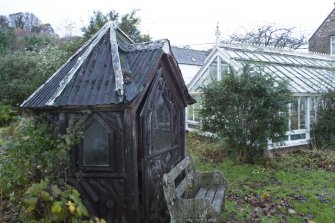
309,76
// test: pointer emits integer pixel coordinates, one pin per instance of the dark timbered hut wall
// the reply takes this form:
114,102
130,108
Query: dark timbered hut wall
129,100
161,121
107,191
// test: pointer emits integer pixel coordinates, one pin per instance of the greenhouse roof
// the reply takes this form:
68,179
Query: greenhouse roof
306,72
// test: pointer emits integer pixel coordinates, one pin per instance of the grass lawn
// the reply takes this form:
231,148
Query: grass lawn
296,186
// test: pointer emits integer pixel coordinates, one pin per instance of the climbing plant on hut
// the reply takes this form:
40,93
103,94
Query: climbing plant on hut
33,179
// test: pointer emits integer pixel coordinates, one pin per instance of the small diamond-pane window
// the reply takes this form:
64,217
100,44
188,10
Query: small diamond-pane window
95,143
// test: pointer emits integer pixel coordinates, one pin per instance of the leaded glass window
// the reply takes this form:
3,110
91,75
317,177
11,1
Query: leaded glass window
161,122
95,145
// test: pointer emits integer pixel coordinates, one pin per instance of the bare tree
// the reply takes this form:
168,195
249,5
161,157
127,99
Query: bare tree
44,28
271,35
24,20
31,21
16,20
4,24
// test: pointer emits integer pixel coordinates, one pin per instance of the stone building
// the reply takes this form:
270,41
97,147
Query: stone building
323,39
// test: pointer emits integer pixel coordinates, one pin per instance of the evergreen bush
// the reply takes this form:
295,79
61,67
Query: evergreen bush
324,131
245,110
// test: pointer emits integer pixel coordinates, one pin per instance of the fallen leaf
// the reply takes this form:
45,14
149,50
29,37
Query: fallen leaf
291,211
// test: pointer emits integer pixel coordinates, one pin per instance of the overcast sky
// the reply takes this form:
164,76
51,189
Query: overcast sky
183,22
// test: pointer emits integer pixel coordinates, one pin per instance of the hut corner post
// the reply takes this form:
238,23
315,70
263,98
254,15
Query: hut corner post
116,63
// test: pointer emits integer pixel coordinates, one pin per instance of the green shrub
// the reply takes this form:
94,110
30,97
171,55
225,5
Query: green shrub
17,72
324,131
34,166
22,72
33,153
245,110
45,202
7,114
4,42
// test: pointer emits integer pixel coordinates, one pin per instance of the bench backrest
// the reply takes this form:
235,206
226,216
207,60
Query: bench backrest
185,166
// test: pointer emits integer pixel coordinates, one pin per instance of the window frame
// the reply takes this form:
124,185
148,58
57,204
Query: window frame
332,45
112,145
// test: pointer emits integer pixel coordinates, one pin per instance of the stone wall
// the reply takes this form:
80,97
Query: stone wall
320,40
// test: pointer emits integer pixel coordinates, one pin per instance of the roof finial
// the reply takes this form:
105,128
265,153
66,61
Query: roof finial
217,34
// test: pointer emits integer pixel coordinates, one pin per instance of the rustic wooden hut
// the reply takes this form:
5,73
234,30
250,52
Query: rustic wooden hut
135,130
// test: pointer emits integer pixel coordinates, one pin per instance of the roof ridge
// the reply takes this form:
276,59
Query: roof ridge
149,45
278,50
182,48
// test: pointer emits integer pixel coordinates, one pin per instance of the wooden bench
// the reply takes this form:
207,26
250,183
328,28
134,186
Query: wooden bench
199,197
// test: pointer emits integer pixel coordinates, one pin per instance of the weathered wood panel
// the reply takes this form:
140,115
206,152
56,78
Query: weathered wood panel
106,190
161,123
105,198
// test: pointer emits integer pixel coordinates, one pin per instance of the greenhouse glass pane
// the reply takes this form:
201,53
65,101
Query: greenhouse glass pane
294,114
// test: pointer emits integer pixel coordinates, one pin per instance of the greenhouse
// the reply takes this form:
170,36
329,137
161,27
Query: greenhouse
309,76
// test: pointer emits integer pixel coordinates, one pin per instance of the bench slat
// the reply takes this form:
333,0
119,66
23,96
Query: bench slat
182,165
185,183
202,192
218,199
211,192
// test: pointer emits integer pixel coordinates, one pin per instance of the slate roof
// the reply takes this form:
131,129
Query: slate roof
189,56
105,70
306,72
